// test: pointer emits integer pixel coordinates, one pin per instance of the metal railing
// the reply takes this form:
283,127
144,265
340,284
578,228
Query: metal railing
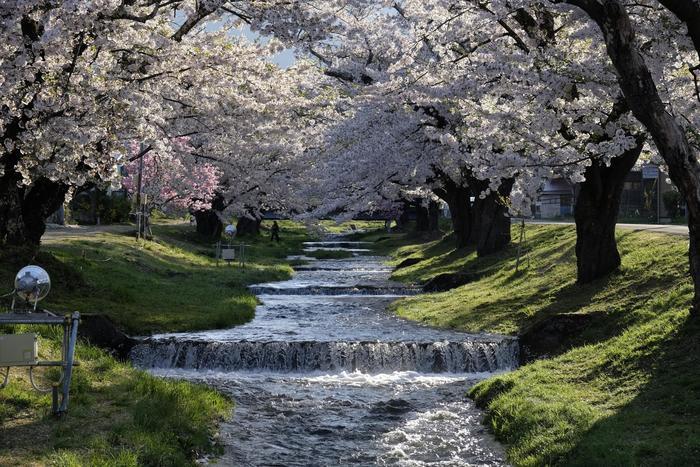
229,252
67,362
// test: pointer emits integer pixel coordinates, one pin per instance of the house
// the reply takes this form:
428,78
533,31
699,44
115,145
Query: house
556,200
646,197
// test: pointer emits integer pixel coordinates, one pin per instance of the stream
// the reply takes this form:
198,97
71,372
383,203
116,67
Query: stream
323,375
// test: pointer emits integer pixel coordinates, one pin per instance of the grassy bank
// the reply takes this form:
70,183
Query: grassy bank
626,389
119,415
172,283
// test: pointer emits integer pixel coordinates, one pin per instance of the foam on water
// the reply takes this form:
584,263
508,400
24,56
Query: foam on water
335,248
325,376
291,356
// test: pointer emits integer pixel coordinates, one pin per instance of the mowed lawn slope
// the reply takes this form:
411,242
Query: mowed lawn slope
172,283
118,415
625,391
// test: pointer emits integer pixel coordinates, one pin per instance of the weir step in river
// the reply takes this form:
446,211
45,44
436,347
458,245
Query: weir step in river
325,376
305,356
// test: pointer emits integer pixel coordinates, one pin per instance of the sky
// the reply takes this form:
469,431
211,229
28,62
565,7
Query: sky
283,59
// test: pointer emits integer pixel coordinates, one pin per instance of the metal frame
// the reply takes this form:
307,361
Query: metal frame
241,247
67,362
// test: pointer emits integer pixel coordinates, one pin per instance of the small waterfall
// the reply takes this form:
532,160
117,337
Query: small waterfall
334,290
325,376
343,268
306,356
336,244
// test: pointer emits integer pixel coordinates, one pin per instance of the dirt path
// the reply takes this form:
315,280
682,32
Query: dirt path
57,233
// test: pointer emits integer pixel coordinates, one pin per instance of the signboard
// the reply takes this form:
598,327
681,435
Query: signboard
650,171
228,254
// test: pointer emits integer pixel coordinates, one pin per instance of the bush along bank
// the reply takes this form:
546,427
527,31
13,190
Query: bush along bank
119,415
612,370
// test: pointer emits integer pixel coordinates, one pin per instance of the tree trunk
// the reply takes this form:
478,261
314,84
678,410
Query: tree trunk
490,222
427,217
642,96
433,216
249,225
422,221
596,213
23,210
402,220
209,224
457,198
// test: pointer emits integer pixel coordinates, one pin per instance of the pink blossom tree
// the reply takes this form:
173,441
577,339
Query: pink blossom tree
173,182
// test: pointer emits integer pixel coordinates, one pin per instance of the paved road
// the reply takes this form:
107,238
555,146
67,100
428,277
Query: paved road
660,228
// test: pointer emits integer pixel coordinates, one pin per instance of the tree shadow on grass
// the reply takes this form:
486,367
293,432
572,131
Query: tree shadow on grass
661,424
598,318
441,257
606,317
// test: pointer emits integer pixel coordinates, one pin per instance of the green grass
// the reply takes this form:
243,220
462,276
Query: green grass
510,302
170,284
119,415
331,226
627,392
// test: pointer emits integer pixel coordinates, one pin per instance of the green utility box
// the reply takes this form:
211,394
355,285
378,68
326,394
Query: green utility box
18,350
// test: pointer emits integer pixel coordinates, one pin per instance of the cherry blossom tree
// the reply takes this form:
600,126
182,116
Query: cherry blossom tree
412,99
660,85
536,96
460,127
173,183
79,79
550,117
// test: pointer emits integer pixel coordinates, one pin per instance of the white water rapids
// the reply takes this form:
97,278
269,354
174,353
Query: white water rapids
325,376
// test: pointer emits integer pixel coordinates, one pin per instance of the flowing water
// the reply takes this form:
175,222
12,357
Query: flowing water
325,376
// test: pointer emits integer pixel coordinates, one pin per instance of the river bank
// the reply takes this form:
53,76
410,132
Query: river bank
620,383
325,376
120,415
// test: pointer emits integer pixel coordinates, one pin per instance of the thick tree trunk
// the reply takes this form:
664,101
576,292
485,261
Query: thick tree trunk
490,220
249,225
427,217
209,224
23,210
403,219
457,198
642,96
596,213
433,216
422,220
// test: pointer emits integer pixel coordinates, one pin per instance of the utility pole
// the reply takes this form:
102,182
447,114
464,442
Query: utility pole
658,195
138,210
140,181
